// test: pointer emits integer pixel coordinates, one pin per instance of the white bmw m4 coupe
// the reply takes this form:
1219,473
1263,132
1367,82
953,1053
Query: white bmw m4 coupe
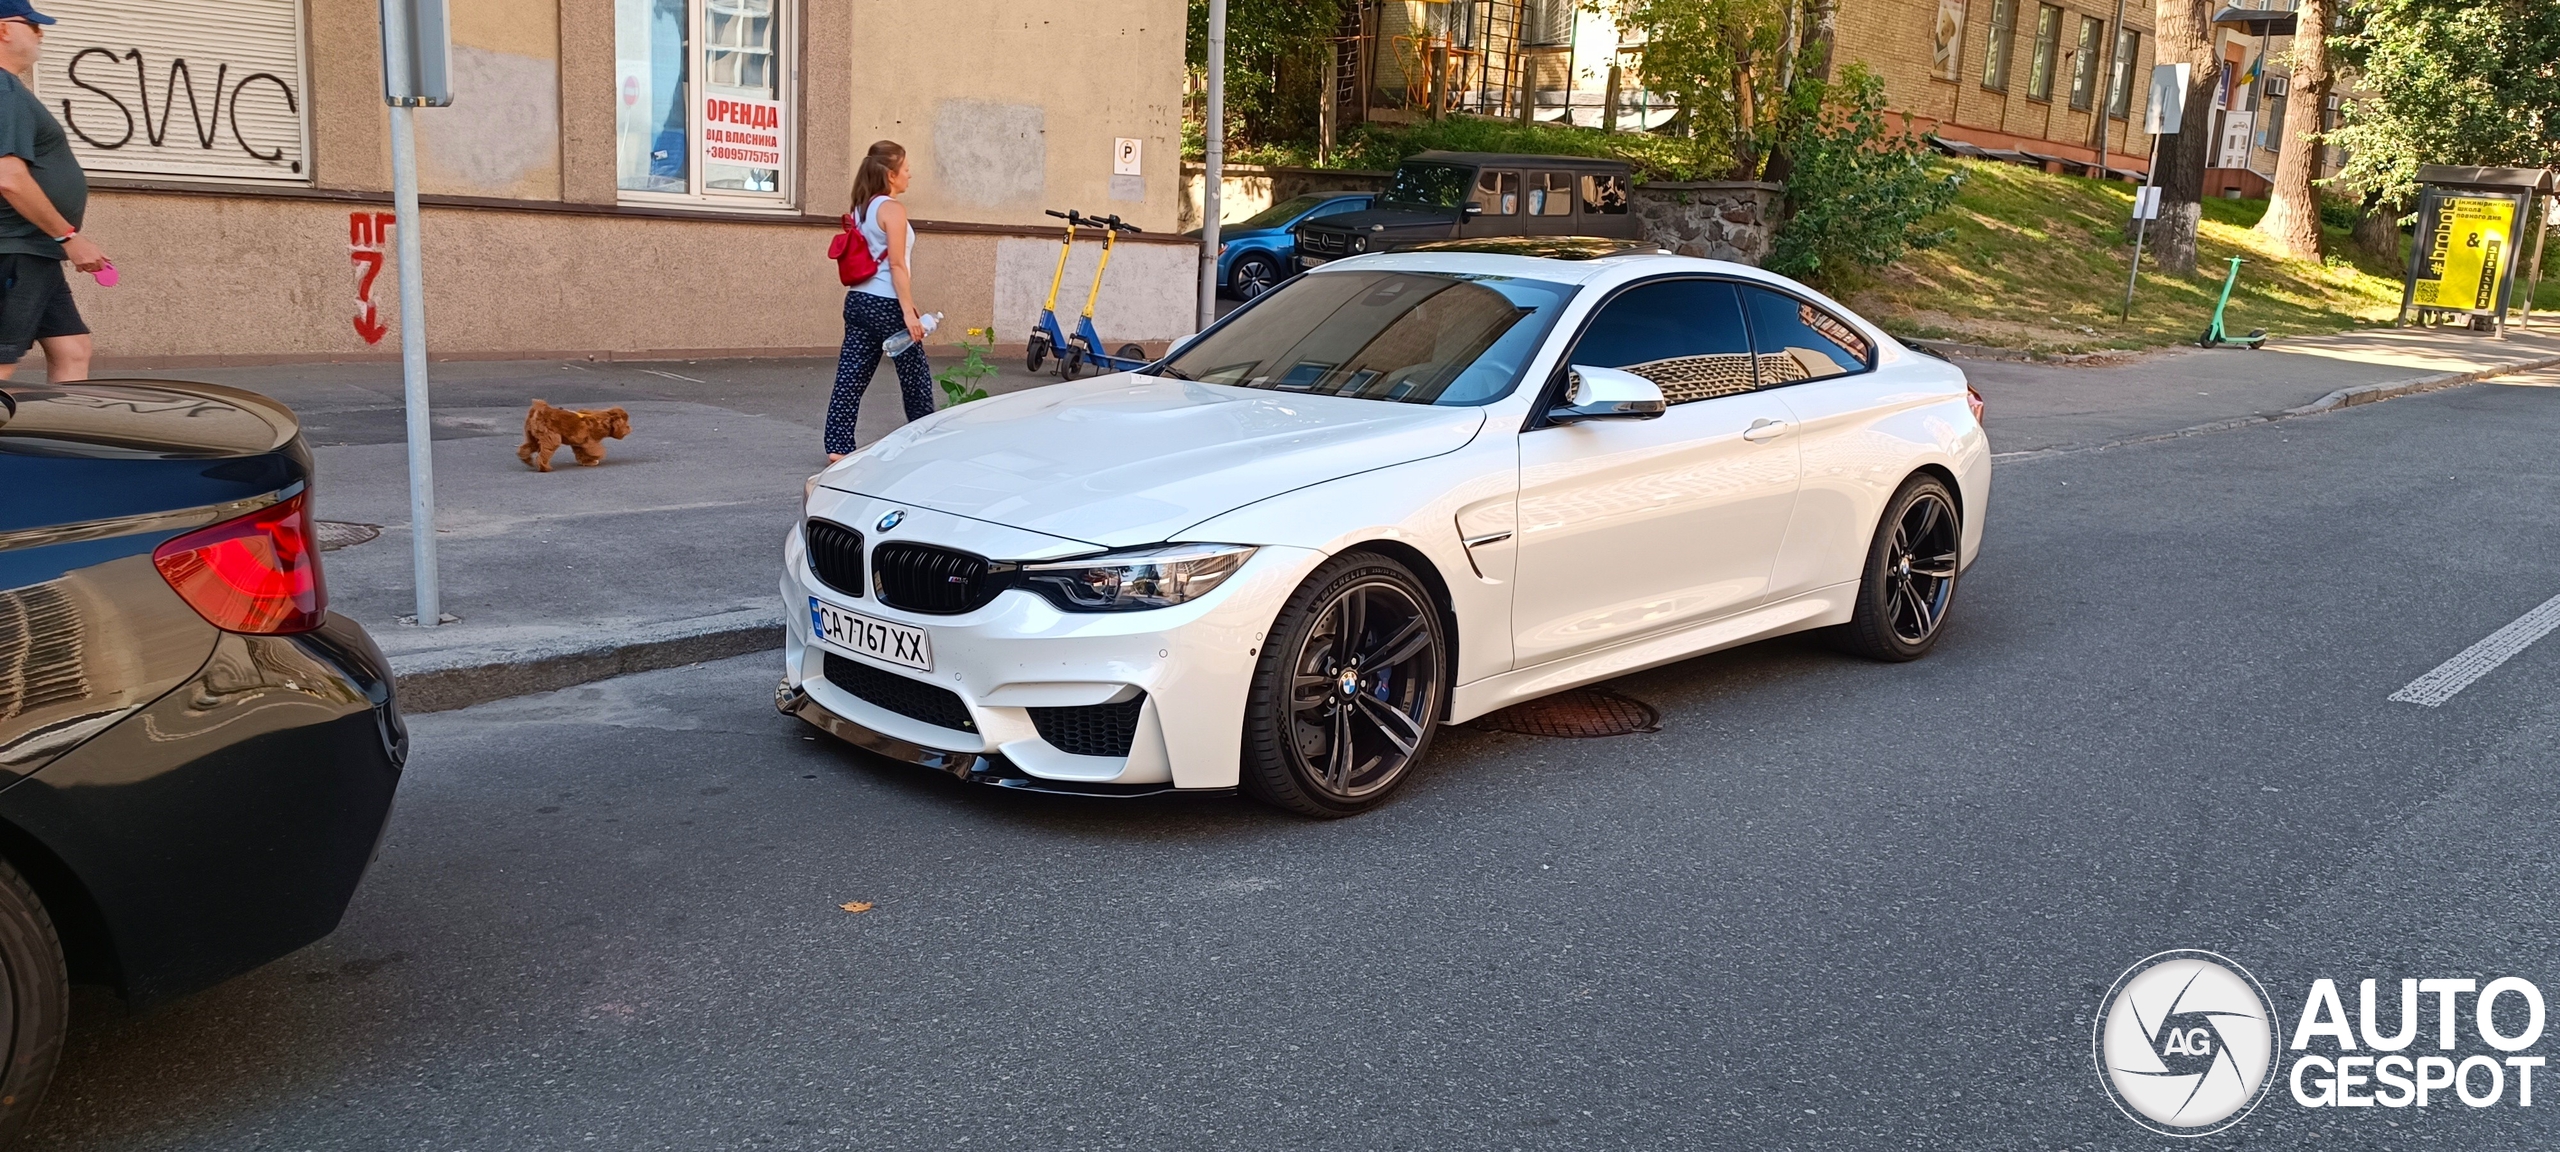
1396,492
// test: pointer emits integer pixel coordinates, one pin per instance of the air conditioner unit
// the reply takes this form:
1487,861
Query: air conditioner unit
2277,85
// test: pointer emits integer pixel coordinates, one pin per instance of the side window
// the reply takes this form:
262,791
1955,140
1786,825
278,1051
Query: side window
1604,195
1550,194
1684,335
1499,193
1797,341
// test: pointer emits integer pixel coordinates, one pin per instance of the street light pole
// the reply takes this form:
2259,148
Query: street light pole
1214,154
417,72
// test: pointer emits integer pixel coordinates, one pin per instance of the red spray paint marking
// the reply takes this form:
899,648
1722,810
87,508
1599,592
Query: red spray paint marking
368,233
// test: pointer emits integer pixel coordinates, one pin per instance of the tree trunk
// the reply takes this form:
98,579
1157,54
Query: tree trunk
2377,233
2185,36
1822,27
2293,207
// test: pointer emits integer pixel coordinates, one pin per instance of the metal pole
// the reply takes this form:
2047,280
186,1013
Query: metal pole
413,367
2141,225
1214,154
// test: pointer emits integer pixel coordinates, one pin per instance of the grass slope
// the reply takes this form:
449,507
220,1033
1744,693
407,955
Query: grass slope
2037,261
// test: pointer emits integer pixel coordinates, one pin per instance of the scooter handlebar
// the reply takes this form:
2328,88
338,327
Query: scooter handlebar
1112,222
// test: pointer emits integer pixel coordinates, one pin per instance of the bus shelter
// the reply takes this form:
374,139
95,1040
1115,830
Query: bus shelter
2474,225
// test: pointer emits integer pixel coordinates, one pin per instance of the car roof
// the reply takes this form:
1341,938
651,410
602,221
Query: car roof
1519,159
1623,266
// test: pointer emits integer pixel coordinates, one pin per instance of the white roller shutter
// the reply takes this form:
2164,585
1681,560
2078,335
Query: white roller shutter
203,89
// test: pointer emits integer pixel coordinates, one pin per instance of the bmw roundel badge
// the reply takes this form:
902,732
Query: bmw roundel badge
891,520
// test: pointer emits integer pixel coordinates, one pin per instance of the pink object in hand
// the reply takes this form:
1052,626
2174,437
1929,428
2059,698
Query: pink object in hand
106,276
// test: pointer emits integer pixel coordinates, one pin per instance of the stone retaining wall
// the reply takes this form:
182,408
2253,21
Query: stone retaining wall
1716,219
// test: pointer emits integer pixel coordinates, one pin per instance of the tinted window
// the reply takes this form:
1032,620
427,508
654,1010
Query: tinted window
1282,212
1604,195
1798,341
1411,337
1499,193
1684,335
1431,185
1550,194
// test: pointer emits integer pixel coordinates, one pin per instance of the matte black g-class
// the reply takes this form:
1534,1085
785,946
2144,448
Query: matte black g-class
1465,195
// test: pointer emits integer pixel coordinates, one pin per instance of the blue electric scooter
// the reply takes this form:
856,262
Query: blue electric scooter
1047,339
1087,348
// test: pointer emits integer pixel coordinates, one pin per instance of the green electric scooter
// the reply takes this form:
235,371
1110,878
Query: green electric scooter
2214,336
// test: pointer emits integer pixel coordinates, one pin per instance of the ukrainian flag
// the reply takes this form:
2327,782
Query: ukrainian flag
2256,68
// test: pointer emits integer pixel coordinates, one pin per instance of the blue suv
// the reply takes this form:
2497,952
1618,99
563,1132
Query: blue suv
1262,251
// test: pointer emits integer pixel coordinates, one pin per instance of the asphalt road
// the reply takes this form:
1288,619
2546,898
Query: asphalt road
1832,904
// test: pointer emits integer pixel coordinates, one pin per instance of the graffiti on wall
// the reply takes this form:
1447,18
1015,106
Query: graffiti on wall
369,236
118,111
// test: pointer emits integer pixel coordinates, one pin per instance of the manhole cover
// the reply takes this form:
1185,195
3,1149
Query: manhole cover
1579,713
336,534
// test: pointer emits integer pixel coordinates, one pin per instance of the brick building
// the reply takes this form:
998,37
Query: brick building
2016,79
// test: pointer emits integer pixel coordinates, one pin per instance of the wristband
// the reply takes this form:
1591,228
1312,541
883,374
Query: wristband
66,236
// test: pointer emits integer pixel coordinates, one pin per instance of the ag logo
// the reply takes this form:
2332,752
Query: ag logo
2184,1042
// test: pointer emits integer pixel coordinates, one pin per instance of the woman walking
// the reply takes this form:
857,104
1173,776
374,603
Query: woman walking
882,306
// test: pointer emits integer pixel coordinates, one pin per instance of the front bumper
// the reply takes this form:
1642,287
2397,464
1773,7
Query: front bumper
1188,668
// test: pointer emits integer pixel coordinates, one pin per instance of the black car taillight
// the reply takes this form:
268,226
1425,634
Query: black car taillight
253,573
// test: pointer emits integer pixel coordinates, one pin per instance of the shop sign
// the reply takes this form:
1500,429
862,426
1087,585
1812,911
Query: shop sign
741,130
197,89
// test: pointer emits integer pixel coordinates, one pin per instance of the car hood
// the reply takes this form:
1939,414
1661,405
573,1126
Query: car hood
1394,218
1122,460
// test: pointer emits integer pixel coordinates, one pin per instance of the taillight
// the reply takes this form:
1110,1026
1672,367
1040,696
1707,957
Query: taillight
1973,400
255,573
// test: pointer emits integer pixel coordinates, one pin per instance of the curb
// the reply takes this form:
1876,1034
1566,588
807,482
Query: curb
443,681
2342,398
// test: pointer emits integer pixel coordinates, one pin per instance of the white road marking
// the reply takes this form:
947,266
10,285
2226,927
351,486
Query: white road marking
2482,658
673,376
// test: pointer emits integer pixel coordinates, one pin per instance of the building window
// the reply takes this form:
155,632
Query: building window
2004,37
2120,85
701,110
2084,63
1547,23
2048,42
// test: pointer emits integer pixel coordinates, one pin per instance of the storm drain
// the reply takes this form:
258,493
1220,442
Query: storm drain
336,534
1579,713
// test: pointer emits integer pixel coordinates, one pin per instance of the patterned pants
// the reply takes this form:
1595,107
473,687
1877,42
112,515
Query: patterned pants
868,320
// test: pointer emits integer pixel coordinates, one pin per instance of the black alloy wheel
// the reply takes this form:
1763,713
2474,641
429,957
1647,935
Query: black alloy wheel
35,1002
1035,351
1910,576
1350,684
1251,276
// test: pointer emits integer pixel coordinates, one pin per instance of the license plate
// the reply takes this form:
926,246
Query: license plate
900,644
1310,261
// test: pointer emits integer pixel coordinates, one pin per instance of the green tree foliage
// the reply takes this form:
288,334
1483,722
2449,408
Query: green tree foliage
1860,186
1275,64
1719,61
2448,82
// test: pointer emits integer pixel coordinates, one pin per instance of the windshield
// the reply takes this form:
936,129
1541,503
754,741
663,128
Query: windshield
1285,211
1431,185
1410,337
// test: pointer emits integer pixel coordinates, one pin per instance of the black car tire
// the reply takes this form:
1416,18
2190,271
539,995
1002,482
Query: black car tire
38,1004
1910,577
1393,689
1252,275
1137,352
1035,351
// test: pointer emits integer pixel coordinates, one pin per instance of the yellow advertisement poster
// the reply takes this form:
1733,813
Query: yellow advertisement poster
2466,253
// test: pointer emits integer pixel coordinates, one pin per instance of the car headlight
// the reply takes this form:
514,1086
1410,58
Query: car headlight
1158,576
1359,244
1222,248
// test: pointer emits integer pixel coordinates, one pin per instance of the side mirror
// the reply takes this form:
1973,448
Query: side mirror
1474,209
1607,394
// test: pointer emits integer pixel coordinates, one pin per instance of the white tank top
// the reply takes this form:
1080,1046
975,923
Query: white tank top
869,222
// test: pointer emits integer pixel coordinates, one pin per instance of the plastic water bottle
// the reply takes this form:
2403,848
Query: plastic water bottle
900,342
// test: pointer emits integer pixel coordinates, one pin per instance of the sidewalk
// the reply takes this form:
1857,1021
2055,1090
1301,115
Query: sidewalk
665,554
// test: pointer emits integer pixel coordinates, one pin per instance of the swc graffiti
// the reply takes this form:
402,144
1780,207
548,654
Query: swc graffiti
368,233
205,117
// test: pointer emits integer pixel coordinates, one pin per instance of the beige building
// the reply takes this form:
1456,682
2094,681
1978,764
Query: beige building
615,177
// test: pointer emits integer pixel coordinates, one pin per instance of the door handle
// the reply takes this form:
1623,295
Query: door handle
1764,429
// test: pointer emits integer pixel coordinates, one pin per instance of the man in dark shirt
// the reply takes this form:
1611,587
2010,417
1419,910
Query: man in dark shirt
43,195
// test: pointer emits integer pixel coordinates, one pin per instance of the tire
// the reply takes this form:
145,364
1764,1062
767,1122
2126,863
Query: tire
1035,351
1071,362
1252,276
1137,352
37,1005
1329,736
1910,577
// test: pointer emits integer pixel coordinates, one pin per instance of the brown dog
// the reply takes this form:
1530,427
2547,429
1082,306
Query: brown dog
547,428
